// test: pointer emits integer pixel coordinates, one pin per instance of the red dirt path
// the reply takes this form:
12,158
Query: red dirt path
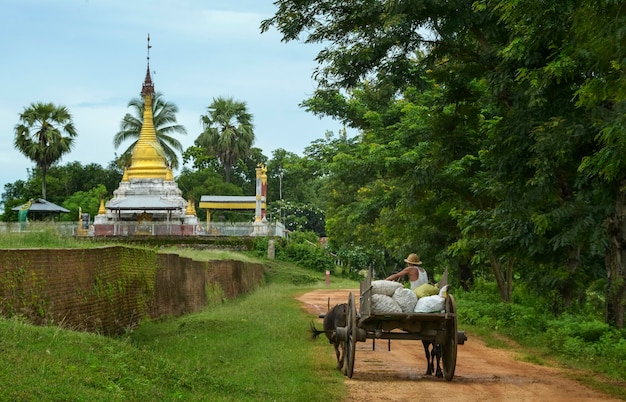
482,373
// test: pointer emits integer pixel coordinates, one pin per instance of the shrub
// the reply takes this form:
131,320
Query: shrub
309,256
301,248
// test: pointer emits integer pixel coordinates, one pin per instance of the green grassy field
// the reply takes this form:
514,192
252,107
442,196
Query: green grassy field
256,347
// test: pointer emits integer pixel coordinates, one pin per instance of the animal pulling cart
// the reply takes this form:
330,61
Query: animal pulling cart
438,328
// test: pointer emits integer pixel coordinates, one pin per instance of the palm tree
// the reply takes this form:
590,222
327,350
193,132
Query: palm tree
164,116
228,132
44,134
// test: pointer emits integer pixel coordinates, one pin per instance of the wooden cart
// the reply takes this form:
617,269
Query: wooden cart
440,328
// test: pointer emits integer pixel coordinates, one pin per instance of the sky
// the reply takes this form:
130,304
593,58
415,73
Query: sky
90,56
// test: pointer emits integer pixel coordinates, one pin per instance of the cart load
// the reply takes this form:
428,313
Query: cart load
388,312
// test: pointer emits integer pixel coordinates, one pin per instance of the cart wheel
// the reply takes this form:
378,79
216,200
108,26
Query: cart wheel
450,344
350,342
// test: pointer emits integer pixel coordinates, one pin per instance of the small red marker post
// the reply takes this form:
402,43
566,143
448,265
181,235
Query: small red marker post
327,278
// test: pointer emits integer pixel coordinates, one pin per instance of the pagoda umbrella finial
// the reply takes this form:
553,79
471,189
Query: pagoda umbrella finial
148,86
149,46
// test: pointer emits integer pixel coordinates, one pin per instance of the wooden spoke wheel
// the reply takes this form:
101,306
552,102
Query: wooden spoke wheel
349,346
450,344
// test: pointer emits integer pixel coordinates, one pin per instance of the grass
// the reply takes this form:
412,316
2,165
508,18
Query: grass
596,363
45,238
256,347
204,255
50,364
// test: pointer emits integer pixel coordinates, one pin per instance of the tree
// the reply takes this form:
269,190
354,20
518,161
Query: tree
527,129
165,126
244,171
196,183
597,56
45,133
65,182
88,201
228,132
15,194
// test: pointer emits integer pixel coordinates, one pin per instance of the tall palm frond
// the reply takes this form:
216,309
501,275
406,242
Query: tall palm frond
45,133
165,125
228,132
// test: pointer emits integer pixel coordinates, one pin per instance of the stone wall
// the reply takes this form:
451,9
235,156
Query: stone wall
109,289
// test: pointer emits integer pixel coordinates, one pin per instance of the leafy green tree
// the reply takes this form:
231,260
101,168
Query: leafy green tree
14,195
298,217
86,201
293,178
64,181
497,141
228,132
244,172
276,173
199,159
196,183
596,60
74,176
45,133
165,126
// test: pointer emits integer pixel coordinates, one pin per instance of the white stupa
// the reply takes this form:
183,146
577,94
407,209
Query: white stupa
148,200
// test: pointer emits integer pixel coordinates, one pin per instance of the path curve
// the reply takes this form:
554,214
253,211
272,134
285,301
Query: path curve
482,373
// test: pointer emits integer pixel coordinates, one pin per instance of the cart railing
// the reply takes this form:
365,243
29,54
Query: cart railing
440,328
365,295
365,304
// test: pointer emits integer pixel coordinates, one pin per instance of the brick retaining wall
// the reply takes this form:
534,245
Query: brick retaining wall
108,289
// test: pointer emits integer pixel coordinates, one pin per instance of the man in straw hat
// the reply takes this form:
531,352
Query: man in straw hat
417,275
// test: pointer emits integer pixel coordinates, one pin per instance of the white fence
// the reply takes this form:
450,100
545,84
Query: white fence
153,228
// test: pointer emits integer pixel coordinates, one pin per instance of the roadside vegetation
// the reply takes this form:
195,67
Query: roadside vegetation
47,237
258,346
580,341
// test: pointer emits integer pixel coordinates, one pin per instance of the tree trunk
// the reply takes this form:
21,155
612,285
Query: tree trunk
569,288
44,172
466,275
503,279
227,170
615,259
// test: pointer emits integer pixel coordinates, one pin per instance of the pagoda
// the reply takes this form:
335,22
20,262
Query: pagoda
148,200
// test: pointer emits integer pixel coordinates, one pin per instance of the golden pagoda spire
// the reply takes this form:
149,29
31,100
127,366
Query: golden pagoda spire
148,159
101,209
191,208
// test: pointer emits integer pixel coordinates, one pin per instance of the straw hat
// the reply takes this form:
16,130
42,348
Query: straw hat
413,259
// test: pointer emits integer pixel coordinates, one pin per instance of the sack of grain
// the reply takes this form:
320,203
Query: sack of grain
383,287
406,299
426,289
382,304
430,304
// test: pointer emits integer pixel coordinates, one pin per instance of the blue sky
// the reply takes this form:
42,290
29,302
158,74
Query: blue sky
90,55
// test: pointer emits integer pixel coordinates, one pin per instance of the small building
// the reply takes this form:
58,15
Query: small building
39,209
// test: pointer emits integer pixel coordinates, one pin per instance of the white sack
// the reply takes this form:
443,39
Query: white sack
383,287
406,299
382,304
430,304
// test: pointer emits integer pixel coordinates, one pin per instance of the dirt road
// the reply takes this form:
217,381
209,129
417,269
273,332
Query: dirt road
482,373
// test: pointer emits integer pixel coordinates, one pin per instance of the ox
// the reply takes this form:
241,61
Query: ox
336,317
433,352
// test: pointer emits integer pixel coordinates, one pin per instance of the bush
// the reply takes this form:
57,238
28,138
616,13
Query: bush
575,327
581,338
301,248
309,256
